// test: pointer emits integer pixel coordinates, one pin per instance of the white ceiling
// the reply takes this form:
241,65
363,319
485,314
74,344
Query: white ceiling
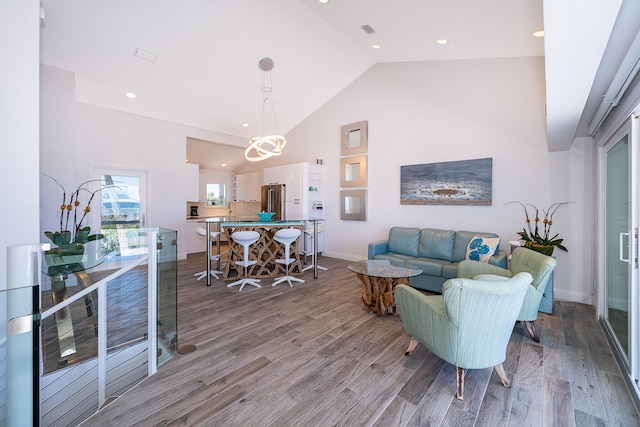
206,74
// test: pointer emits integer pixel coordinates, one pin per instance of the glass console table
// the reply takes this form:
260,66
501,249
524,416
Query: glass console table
58,266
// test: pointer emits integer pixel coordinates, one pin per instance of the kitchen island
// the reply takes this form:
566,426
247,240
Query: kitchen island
265,250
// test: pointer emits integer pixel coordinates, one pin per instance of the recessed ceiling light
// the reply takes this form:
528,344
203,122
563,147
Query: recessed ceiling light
324,1
130,95
539,33
375,46
245,125
442,41
223,165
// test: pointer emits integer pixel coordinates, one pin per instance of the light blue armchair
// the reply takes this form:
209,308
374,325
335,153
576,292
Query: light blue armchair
540,267
469,325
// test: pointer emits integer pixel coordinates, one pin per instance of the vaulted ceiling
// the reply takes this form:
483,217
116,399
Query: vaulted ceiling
195,62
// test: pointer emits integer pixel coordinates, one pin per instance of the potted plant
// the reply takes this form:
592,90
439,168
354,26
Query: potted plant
532,238
70,241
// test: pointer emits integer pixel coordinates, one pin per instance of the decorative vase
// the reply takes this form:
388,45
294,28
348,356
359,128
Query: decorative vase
543,249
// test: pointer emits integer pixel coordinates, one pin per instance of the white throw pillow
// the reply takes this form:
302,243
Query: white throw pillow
482,248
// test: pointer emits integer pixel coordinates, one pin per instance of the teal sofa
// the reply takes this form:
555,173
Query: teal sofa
436,252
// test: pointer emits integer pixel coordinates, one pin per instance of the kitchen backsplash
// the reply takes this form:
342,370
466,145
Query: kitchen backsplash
244,209
206,211
235,209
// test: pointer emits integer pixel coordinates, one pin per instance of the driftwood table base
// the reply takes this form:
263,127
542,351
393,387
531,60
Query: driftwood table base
378,296
380,279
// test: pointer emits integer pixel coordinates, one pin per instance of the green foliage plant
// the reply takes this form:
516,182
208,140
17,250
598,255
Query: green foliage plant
533,236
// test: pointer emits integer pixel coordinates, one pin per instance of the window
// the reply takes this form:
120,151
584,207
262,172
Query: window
216,195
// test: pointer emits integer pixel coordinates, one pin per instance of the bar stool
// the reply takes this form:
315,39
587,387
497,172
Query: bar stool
214,235
309,232
286,236
246,239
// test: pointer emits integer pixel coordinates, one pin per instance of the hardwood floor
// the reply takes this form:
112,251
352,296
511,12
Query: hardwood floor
312,356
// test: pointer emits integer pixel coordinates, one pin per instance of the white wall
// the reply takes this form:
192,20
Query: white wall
443,111
112,139
90,136
57,144
572,178
19,128
418,113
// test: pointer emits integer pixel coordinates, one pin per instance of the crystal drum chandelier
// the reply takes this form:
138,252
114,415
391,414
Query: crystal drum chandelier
263,147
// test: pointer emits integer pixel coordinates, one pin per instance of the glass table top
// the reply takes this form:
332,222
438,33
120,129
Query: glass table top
57,261
255,219
382,268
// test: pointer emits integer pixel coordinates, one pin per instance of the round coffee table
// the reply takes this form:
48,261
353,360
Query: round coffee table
380,278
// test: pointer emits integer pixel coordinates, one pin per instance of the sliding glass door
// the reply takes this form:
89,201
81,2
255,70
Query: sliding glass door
620,245
617,240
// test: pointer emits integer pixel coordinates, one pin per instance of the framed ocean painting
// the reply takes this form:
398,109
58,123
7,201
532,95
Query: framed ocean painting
464,182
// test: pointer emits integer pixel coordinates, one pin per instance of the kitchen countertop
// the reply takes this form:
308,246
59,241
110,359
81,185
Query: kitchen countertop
204,218
281,223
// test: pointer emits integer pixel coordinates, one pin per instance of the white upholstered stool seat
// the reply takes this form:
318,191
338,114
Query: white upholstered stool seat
286,236
214,235
246,239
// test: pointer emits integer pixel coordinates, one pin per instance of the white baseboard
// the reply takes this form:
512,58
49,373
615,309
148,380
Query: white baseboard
339,255
572,296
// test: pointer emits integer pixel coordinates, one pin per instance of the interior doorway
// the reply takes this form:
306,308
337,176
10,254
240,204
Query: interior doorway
122,210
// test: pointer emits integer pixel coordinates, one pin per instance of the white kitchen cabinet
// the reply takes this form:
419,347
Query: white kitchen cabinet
248,187
313,185
194,241
304,187
192,182
273,175
290,175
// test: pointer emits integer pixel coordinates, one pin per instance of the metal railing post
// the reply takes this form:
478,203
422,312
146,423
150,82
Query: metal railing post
102,344
152,303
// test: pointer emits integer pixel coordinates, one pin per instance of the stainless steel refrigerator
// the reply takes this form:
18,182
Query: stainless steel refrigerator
273,200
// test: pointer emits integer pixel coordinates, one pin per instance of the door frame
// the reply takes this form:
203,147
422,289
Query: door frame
630,361
98,170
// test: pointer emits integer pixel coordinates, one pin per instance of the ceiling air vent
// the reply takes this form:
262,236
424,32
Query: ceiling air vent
145,54
367,29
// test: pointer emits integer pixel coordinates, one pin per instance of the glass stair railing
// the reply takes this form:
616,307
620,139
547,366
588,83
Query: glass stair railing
99,317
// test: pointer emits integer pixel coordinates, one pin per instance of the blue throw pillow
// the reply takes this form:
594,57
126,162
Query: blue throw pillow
482,248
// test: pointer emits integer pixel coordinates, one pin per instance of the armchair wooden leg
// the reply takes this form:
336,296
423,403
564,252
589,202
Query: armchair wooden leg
502,375
459,382
532,330
413,343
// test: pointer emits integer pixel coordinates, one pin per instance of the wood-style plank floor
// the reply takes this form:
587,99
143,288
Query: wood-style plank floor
313,356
